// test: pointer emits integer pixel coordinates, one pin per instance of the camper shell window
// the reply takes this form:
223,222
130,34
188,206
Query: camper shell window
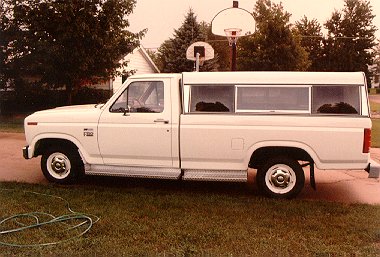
210,98
292,99
336,100
273,99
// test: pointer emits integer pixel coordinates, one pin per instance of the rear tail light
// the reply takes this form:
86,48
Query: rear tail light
367,140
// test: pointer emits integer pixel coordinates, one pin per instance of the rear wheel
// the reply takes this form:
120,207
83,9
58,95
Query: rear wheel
280,177
61,165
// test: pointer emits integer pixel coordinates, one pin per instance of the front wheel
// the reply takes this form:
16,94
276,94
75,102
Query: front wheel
280,177
61,165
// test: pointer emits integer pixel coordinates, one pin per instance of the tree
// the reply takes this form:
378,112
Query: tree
172,53
375,69
312,41
3,49
377,59
351,38
273,46
68,43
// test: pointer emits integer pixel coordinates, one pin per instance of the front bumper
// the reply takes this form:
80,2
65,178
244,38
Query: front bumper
25,152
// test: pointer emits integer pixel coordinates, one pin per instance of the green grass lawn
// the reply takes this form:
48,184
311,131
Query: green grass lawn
375,126
373,91
375,142
375,107
144,217
13,123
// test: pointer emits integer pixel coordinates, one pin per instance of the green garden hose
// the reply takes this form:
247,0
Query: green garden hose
18,223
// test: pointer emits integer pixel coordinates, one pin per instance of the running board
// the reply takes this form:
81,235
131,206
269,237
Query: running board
133,172
216,175
167,173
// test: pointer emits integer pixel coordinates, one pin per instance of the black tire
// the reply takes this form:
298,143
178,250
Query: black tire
280,177
62,164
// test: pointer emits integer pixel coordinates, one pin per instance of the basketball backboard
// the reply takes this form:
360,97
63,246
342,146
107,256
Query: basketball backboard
199,52
205,50
235,22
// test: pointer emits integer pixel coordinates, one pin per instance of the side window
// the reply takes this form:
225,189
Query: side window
208,98
120,104
335,100
269,98
143,97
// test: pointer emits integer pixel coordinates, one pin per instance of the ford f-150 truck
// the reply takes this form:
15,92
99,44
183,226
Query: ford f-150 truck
211,126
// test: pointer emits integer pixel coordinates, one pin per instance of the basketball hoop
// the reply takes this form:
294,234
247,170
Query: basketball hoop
232,35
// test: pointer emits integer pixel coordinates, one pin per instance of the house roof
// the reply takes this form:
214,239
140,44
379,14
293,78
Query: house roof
139,58
148,59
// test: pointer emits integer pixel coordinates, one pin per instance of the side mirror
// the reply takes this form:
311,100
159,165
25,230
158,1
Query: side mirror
127,111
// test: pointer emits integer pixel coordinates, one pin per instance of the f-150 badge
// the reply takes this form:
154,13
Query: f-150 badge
88,132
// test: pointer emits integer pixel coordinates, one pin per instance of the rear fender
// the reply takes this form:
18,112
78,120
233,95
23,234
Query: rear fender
264,144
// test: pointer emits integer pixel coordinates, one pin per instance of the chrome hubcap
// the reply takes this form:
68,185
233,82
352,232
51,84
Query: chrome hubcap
58,165
280,178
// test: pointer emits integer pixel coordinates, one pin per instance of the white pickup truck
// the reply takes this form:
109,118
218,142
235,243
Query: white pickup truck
211,126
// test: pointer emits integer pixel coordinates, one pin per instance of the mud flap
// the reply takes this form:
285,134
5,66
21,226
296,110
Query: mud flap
312,174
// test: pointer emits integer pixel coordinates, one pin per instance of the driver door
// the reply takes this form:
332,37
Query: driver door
136,129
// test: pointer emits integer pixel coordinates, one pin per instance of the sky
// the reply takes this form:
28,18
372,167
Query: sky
161,17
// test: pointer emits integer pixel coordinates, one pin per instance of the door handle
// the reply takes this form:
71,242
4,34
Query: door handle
161,121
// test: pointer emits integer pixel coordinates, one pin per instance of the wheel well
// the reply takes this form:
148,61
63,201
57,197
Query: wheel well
44,144
261,155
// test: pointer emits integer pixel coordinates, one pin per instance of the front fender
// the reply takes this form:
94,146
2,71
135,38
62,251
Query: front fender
94,157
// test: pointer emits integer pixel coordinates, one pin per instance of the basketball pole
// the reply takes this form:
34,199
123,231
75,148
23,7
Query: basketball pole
235,4
197,62
233,56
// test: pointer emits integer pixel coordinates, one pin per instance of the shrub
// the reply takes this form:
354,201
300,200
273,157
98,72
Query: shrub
31,98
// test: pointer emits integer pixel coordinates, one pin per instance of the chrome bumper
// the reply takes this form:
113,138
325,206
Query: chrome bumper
25,152
373,169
